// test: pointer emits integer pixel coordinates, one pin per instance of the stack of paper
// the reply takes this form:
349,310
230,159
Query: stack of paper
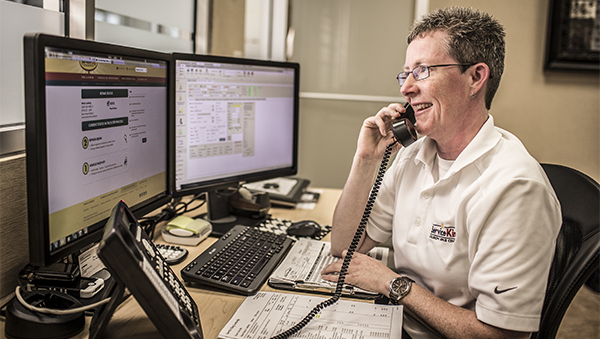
267,314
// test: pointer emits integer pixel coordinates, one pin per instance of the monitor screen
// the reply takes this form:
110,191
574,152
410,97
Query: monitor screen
96,133
236,121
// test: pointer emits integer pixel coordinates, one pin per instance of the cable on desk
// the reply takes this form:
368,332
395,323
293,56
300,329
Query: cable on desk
149,223
55,311
184,207
174,208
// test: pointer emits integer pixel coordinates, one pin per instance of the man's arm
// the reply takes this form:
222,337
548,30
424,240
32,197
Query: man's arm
456,322
373,139
448,320
350,208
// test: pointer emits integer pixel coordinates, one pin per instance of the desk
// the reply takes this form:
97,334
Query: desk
215,307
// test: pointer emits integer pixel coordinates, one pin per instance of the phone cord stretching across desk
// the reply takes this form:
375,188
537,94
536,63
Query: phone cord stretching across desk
357,236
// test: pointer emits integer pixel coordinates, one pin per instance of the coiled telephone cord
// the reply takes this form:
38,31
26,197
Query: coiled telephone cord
353,245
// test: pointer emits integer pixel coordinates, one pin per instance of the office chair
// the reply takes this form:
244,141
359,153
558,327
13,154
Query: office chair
577,250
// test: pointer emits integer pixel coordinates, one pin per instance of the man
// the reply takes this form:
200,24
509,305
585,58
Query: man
472,216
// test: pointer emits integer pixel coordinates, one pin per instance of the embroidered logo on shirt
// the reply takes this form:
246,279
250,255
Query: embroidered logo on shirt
497,291
443,233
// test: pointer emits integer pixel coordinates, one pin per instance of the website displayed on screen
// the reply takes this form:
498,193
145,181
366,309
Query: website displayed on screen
106,131
231,119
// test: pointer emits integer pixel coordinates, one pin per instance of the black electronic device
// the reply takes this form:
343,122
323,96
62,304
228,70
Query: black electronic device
81,288
97,118
136,264
304,228
57,273
403,128
241,261
173,254
404,132
280,226
236,121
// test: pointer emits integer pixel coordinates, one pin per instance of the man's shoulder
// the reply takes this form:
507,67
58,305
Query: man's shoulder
511,168
509,158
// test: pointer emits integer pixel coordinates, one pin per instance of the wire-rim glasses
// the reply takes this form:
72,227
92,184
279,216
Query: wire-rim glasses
421,72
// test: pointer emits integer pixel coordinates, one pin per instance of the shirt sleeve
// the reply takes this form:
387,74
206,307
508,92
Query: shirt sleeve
511,247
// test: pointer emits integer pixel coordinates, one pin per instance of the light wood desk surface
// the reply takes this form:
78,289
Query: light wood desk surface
215,307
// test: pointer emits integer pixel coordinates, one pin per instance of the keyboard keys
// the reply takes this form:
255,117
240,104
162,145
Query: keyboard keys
240,261
172,254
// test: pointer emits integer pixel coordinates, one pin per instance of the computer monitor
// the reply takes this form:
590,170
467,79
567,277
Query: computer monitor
236,121
97,125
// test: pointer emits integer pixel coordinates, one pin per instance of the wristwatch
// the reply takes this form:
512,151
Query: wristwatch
399,288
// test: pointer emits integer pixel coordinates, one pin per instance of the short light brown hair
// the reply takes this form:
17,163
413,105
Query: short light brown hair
473,36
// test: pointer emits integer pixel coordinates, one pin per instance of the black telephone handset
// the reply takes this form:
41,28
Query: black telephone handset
404,132
404,127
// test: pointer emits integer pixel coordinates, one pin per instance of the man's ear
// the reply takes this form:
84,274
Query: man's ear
479,75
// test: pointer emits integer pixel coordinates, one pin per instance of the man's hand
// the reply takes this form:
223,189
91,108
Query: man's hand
364,272
376,132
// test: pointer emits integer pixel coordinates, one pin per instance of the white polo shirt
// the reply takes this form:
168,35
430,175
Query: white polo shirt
482,237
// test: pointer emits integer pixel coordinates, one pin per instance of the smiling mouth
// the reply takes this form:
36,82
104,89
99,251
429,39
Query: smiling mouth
420,107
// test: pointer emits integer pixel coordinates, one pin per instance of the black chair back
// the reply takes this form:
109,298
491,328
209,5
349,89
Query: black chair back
577,253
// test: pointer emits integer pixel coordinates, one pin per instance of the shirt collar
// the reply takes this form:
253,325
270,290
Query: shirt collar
485,140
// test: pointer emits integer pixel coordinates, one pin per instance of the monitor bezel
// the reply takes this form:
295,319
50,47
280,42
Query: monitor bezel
37,167
235,180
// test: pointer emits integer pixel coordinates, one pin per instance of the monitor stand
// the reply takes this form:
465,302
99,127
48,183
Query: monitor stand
220,216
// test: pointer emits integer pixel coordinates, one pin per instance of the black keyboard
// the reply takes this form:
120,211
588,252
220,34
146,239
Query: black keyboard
240,261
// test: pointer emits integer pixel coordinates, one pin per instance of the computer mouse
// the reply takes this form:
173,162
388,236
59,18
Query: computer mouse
305,228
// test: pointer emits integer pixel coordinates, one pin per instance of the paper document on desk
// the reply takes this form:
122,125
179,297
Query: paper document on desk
267,314
302,266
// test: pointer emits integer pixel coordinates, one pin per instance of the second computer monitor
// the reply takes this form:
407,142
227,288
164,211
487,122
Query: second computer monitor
236,121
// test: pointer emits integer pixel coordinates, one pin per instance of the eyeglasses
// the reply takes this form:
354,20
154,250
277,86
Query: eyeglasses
422,72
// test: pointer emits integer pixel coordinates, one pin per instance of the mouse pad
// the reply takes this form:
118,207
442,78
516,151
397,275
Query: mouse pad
279,226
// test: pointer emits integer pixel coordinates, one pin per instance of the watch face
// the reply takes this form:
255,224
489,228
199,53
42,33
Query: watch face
399,288
399,285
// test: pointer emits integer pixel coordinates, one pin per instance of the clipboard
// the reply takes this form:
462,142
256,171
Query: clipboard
301,269
348,291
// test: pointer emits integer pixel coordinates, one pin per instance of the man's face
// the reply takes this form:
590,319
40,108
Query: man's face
437,100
